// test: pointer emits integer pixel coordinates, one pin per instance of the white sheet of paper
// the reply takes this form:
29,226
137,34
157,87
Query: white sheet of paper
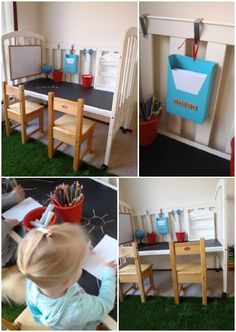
188,81
105,251
70,61
20,210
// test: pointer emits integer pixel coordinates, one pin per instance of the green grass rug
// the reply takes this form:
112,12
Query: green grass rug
12,311
160,313
32,159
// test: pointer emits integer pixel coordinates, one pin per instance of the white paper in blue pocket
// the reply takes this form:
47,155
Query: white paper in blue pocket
188,81
70,61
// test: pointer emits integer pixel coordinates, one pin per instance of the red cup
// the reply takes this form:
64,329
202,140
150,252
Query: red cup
148,130
151,238
57,76
87,81
71,214
180,236
36,214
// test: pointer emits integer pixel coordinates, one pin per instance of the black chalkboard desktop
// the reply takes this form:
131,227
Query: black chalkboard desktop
72,91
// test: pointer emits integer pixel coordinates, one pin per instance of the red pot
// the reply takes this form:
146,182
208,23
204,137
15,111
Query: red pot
36,214
87,81
151,238
71,214
57,76
148,131
180,236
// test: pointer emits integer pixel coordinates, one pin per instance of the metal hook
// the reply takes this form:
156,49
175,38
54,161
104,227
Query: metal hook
72,49
197,23
143,22
90,51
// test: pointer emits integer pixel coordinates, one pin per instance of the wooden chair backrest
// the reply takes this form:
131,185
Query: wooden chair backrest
128,251
186,249
131,252
74,108
13,91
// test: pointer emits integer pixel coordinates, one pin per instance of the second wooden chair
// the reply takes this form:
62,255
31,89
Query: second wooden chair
134,273
188,272
71,128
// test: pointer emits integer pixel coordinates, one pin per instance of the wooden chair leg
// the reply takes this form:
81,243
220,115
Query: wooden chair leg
7,126
23,133
121,294
50,147
176,292
204,293
76,160
134,286
90,142
151,278
142,291
41,122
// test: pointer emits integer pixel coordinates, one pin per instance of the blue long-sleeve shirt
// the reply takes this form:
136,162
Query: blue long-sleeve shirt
75,310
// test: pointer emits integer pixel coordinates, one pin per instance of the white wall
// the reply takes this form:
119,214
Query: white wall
212,11
29,16
97,23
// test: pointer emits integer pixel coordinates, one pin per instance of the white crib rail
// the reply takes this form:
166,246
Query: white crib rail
217,36
126,79
88,64
124,95
146,221
19,38
54,53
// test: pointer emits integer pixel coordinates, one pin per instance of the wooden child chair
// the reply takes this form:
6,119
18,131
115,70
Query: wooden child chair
189,272
22,112
134,273
71,128
24,322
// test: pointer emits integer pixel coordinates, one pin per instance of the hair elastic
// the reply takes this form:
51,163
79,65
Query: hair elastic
44,231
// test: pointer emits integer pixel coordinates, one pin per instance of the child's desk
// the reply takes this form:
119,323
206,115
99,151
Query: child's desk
162,248
99,199
97,102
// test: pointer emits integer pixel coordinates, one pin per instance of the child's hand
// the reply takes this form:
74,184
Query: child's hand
112,264
19,194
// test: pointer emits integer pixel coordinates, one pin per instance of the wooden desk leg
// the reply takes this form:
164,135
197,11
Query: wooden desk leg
225,272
